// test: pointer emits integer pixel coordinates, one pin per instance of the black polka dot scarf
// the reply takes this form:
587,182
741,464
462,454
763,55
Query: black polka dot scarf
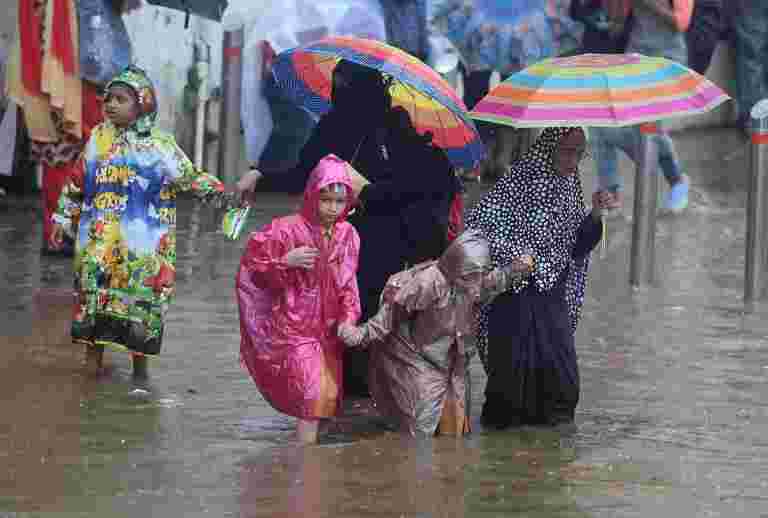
532,210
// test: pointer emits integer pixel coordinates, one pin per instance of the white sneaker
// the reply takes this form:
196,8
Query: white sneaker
677,197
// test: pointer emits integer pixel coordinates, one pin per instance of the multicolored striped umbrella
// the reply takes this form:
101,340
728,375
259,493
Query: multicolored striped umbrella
305,74
604,90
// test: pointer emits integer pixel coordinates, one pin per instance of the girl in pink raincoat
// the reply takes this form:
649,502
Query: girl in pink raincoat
295,287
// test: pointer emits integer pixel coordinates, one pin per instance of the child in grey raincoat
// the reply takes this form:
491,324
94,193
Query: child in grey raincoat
418,364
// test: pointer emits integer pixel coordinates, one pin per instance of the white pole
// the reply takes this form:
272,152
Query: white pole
643,253
203,58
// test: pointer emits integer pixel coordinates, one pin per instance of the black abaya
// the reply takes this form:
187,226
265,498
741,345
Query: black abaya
533,376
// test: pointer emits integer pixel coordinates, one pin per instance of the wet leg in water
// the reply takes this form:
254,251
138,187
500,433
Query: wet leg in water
140,366
94,359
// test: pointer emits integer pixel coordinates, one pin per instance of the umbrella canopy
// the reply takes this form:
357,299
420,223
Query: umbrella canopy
211,9
603,90
305,74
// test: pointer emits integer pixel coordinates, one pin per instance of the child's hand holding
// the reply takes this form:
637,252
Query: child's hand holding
523,264
301,257
351,335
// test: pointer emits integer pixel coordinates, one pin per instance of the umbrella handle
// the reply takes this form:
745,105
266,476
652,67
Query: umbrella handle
604,240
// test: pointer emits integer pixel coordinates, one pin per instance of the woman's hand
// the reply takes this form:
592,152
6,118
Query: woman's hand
245,186
358,180
601,200
523,264
352,336
301,257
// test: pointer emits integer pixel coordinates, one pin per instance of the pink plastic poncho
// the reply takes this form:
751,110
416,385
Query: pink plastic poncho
289,316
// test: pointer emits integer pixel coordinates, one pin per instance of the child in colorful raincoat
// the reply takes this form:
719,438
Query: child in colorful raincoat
121,211
296,288
419,338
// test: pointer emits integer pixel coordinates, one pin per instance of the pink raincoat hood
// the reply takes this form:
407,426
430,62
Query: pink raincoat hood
329,170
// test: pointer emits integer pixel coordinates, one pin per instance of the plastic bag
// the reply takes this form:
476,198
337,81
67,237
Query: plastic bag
105,46
234,221
275,128
289,23
254,108
506,36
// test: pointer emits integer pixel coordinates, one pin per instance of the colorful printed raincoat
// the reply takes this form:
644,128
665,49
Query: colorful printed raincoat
289,317
121,210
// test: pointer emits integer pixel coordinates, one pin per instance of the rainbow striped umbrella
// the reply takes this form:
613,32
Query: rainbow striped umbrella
305,73
604,90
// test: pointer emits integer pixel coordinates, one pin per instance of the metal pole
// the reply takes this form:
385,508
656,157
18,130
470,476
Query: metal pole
202,59
754,256
643,258
230,141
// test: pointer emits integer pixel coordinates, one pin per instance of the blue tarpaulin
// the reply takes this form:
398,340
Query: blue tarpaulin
105,46
506,35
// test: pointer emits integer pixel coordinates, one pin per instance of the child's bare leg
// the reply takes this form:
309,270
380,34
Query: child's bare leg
94,358
140,366
306,431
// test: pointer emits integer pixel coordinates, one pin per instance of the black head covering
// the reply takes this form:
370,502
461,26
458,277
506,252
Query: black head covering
359,91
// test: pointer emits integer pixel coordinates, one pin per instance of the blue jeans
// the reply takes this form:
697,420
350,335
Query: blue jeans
750,38
606,142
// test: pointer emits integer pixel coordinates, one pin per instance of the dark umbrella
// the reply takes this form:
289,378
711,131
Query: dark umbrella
211,9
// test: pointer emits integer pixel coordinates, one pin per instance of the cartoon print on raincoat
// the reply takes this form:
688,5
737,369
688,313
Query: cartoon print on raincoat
121,210
289,317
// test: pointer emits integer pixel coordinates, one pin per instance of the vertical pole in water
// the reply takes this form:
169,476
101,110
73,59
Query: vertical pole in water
202,62
643,255
754,257
229,124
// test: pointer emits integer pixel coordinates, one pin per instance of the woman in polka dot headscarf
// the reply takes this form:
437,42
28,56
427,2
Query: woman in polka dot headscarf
535,215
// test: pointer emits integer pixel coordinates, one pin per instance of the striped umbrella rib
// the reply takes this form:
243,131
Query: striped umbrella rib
693,98
444,96
305,73
678,88
596,90
606,116
527,80
391,61
623,111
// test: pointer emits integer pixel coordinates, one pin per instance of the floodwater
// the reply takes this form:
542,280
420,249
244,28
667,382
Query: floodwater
672,420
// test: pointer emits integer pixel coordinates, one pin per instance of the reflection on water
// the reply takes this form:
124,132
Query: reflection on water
410,478
672,415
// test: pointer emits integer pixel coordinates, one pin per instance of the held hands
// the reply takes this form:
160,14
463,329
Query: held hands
301,257
523,264
352,336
